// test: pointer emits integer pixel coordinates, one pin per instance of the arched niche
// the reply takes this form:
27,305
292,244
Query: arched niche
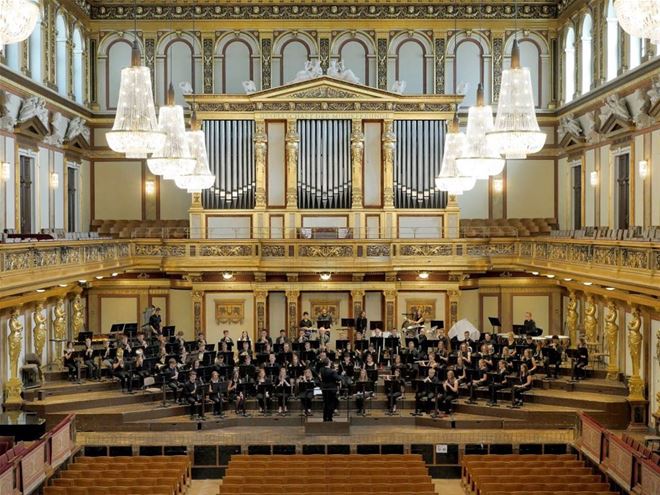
410,58
237,58
535,55
358,52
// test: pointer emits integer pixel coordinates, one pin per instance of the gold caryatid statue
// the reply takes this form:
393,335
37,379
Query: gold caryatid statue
612,335
15,343
78,321
59,327
39,330
636,384
572,318
590,322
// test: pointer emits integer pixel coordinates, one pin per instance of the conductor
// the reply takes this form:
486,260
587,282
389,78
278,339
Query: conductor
329,380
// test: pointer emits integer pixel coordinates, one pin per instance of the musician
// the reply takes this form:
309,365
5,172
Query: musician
161,364
425,392
581,361
305,324
180,343
295,367
215,393
70,361
486,356
282,339
442,355
480,381
529,361
285,356
245,351
465,352
552,357
306,387
417,318
460,370
498,382
263,392
234,393
397,364
324,319
324,335
511,343
171,378
155,321
360,336
226,339
529,324
264,338
302,338
283,390
362,393
140,342
361,323
471,344
449,393
329,380
529,342
106,359
243,339
272,368
524,384
396,334
139,370
201,340
348,351
395,387
507,358
192,393
93,371
126,345
309,355
119,371
219,365
347,367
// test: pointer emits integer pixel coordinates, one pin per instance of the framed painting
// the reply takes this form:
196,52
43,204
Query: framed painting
229,311
426,307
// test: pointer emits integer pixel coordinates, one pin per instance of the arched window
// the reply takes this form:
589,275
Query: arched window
12,56
585,47
612,30
78,66
569,65
35,53
535,56
119,57
530,57
62,63
468,70
237,67
294,55
357,51
635,56
178,67
411,66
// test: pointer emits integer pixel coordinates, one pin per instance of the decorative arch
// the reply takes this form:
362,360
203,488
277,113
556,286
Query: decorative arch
61,53
569,63
290,52
113,54
468,60
237,58
410,58
78,65
535,55
183,51
586,44
611,41
35,53
358,52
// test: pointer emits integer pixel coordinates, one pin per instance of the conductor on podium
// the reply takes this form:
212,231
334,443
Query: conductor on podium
329,380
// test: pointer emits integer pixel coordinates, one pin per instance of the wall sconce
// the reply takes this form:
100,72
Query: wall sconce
227,276
5,171
423,275
498,185
593,178
644,169
149,187
54,180
325,276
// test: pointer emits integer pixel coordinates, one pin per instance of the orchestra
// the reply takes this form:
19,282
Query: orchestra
436,370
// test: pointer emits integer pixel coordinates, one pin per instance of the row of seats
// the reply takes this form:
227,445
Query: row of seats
632,234
11,453
645,452
326,474
507,227
531,474
131,229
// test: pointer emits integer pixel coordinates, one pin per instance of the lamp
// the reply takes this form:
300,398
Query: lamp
201,177
644,169
17,20
54,180
593,178
325,276
498,185
149,187
5,171
480,159
424,275
227,275
639,18
449,178
516,133
173,158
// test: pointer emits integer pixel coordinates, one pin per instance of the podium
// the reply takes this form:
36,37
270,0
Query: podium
341,426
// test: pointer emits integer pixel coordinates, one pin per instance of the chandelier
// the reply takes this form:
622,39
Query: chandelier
449,179
516,133
639,18
201,177
135,130
480,160
173,158
17,20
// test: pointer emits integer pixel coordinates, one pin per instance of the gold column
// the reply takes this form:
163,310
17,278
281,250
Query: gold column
636,384
572,318
292,297
292,144
14,385
590,322
454,296
612,335
260,156
59,329
198,320
77,318
357,296
197,223
390,307
357,156
39,332
260,297
389,144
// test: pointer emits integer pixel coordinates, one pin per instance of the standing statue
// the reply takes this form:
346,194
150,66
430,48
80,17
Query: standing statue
635,384
612,335
59,328
39,331
590,321
78,321
572,319
15,343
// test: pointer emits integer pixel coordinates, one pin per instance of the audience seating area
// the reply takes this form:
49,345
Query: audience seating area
643,451
153,475
530,474
326,474
591,233
128,229
507,227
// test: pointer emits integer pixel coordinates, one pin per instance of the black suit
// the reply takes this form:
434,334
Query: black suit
216,390
192,392
329,379
361,325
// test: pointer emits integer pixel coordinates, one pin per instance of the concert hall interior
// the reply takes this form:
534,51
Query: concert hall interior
330,246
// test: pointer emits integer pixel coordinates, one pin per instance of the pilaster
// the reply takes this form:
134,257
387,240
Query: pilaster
357,156
389,144
390,308
260,297
292,144
260,156
292,303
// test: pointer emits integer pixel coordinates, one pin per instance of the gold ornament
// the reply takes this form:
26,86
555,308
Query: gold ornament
612,334
572,319
15,342
590,321
59,328
78,319
39,330
636,384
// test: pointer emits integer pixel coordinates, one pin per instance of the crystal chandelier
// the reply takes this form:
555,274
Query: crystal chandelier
135,131
201,177
516,133
17,20
479,160
173,158
639,18
450,179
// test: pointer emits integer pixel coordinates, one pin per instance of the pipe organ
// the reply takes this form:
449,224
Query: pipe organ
418,158
324,164
230,148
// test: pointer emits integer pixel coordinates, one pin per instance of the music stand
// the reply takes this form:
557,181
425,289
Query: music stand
519,329
494,322
130,329
373,325
84,335
348,322
116,327
439,324
168,331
